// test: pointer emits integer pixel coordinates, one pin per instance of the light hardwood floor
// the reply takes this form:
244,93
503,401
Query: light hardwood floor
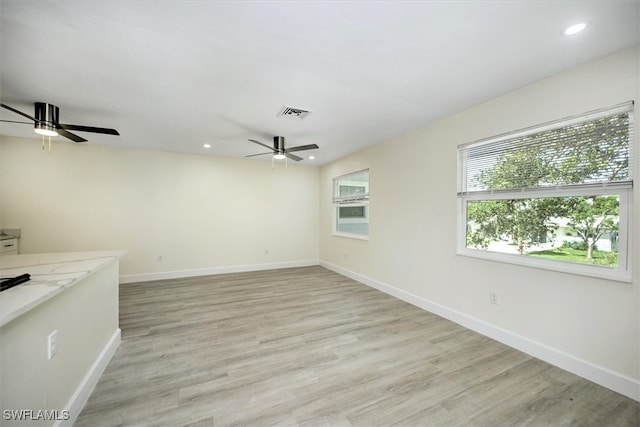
309,347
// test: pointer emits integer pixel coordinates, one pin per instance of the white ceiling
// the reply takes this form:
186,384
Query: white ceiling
174,75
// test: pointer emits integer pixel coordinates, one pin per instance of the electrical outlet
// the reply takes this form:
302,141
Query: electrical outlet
266,251
159,258
493,297
52,344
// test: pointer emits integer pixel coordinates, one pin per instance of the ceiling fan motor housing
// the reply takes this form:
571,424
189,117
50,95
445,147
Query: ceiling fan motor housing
47,116
278,144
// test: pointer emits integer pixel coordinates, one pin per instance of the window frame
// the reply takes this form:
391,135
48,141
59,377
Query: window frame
358,200
621,273
624,191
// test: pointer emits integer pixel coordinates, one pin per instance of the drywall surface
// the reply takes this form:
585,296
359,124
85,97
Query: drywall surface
413,227
180,213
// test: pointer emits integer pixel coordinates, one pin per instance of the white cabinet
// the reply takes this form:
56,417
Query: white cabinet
9,247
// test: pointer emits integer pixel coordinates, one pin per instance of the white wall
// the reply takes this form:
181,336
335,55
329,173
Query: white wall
587,325
202,214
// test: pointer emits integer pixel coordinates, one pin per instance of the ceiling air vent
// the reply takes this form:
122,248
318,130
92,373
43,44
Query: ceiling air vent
293,113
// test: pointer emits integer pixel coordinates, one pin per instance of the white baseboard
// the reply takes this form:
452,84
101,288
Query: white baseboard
84,390
612,380
177,274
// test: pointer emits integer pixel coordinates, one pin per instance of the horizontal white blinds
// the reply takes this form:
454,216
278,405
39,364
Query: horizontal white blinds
594,149
350,188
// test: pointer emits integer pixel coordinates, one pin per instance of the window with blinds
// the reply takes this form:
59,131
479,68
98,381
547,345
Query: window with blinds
352,187
552,194
351,205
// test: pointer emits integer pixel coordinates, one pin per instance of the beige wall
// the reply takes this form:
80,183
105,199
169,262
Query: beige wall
412,246
197,212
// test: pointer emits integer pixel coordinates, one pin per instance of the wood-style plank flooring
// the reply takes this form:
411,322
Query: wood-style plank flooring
309,347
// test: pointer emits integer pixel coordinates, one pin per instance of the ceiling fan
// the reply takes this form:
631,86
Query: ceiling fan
46,122
280,152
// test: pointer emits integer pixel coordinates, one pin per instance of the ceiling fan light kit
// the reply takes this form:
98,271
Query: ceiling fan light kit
46,117
45,129
278,144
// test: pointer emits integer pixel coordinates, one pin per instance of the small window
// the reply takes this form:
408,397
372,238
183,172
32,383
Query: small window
351,205
554,196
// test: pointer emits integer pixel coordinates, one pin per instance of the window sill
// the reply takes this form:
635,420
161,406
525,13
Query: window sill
351,236
599,272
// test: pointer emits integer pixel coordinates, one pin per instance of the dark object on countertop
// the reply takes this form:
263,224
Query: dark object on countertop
14,281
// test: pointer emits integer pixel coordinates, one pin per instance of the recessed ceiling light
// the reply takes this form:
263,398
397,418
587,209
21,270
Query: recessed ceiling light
206,145
312,157
575,29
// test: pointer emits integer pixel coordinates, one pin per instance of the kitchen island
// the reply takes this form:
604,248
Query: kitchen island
58,332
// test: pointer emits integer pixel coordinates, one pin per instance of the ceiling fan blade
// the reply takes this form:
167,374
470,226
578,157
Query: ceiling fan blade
89,129
264,145
260,154
303,147
15,121
18,112
293,157
69,135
